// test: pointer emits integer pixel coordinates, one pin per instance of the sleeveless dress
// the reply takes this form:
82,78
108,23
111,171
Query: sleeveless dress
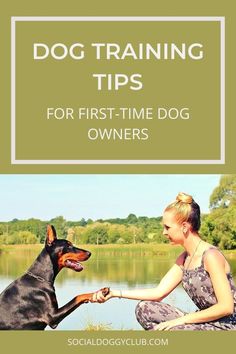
197,284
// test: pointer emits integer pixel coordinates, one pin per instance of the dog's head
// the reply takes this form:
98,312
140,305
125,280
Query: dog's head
63,253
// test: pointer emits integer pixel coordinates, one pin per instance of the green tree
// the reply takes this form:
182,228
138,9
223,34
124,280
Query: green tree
132,219
224,195
219,227
83,222
27,237
60,225
97,234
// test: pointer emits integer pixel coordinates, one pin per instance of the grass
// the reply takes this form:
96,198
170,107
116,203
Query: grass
138,249
231,254
11,248
102,327
98,327
141,249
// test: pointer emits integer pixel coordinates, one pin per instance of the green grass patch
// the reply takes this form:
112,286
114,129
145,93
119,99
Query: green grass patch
138,249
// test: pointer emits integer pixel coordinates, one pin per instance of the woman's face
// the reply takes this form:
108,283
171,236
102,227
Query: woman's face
172,229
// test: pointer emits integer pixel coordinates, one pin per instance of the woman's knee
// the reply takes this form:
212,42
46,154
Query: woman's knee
143,308
150,313
140,309
142,312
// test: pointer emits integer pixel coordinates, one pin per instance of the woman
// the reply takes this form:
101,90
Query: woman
203,271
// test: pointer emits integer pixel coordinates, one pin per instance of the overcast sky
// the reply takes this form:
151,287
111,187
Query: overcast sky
97,196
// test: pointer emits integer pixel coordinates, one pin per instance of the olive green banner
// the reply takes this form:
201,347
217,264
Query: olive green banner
132,90
116,342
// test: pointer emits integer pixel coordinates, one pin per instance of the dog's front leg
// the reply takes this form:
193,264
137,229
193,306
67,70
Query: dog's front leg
65,310
62,312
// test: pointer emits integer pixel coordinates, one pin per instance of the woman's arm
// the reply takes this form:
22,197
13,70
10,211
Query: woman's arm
168,283
215,266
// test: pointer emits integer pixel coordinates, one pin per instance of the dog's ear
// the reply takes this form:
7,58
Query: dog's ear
51,235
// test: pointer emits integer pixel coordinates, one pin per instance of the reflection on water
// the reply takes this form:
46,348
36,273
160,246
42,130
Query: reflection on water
120,272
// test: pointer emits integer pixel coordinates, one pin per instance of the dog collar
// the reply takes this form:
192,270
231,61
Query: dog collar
38,277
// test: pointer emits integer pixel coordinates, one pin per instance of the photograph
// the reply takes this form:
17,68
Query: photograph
139,252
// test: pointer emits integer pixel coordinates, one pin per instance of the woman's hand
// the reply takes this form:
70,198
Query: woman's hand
100,296
165,326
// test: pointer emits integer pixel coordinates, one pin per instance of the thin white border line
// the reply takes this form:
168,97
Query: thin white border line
222,89
13,93
118,18
220,19
117,162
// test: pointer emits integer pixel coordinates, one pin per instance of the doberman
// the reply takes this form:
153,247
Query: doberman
30,303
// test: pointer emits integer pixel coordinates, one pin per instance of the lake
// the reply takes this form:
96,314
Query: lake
112,267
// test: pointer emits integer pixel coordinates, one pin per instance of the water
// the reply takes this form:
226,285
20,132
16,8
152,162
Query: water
117,272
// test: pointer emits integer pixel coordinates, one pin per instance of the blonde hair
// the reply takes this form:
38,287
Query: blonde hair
186,210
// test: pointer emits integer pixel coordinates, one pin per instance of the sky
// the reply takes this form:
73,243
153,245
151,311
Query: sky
97,196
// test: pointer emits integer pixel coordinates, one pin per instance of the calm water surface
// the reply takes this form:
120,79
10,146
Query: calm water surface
115,271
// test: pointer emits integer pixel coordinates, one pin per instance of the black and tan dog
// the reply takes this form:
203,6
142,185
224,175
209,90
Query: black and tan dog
30,303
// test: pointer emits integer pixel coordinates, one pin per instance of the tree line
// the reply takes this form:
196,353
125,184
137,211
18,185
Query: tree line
218,227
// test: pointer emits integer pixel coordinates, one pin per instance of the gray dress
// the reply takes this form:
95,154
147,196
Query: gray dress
197,283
